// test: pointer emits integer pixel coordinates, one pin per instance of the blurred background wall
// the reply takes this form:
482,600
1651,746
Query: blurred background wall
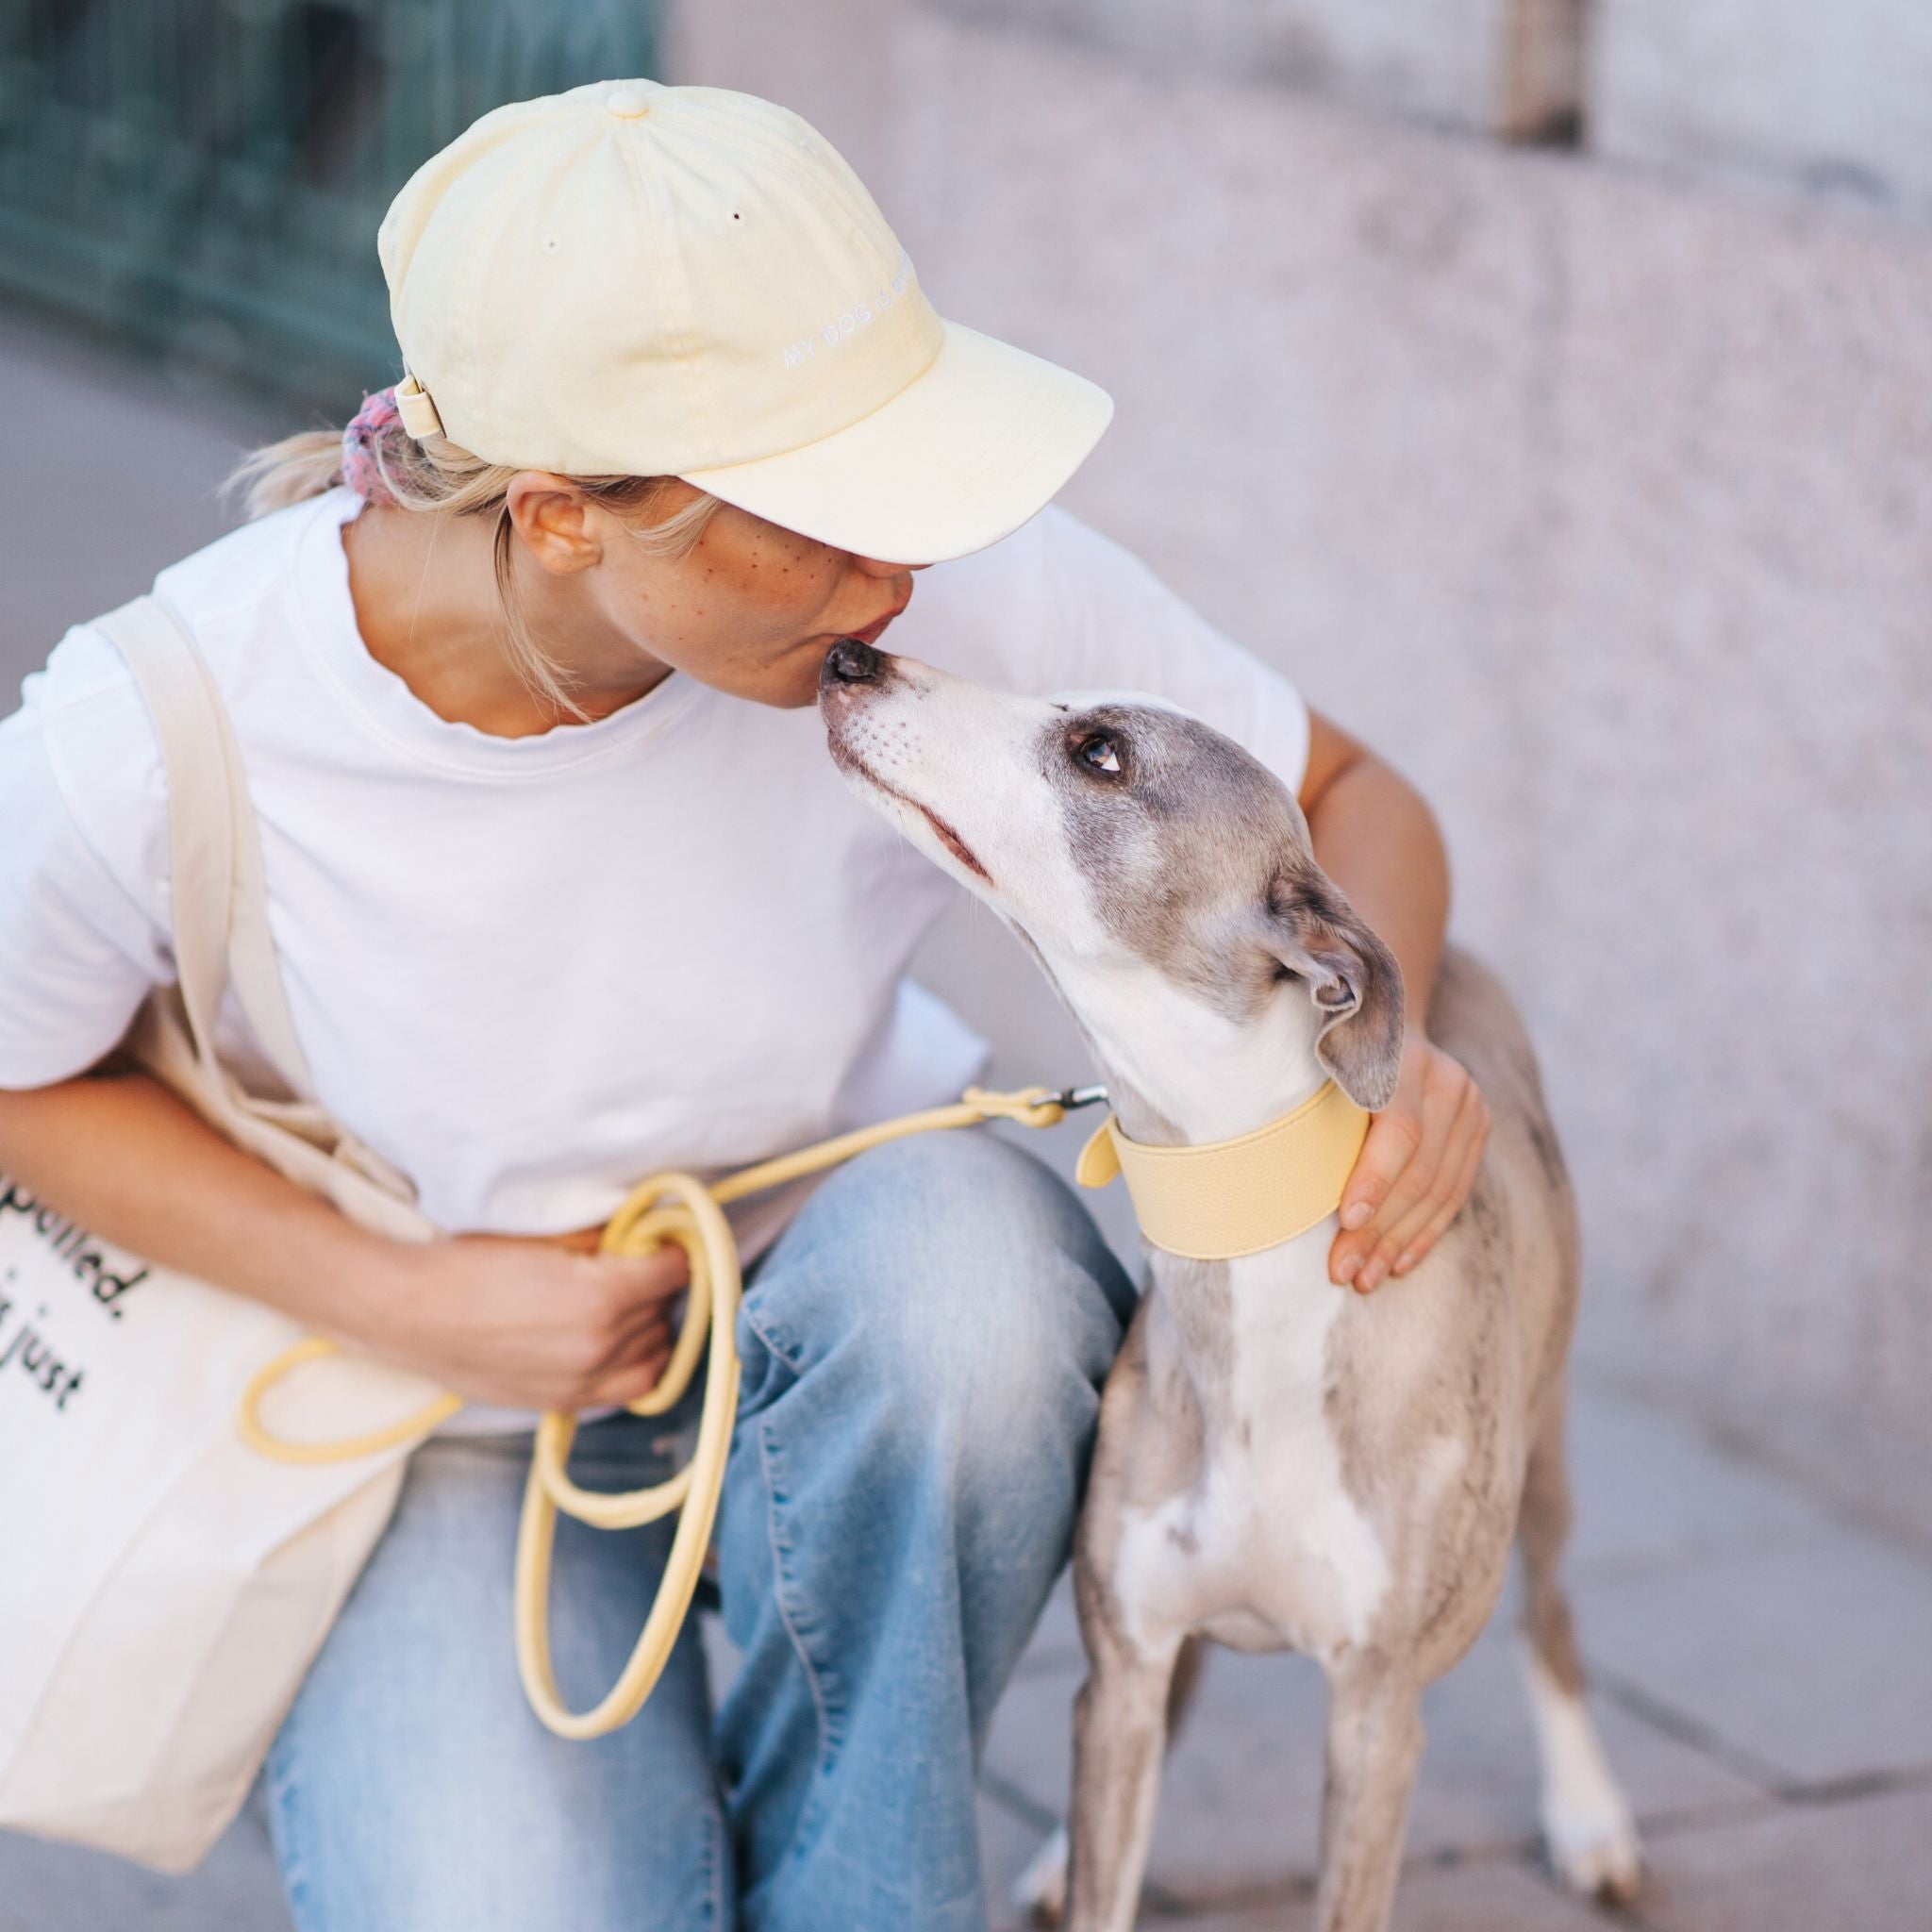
1545,384
1587,480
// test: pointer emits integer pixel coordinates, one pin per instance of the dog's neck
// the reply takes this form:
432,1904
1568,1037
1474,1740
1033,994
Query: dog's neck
1178,1070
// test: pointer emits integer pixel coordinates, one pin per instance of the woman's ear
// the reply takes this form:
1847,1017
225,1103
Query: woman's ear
1351,977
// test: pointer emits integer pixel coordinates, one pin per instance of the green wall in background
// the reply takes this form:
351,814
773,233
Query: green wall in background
204,178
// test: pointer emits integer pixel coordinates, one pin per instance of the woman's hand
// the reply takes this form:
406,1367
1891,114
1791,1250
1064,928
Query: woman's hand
1415,1170
530,1323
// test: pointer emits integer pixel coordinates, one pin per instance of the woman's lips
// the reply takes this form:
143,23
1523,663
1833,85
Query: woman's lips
877,628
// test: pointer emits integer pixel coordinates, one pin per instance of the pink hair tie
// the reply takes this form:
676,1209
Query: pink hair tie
377,414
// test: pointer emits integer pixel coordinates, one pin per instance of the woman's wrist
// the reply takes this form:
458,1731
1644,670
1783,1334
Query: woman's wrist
357,1287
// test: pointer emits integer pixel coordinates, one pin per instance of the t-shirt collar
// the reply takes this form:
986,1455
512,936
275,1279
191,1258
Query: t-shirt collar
387,706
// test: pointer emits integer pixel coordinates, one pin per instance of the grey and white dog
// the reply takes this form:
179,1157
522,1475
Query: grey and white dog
1282,1463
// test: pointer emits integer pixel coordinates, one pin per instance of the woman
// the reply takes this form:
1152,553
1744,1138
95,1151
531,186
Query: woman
556,908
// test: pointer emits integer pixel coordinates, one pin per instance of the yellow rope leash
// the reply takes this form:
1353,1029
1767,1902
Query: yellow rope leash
668,1207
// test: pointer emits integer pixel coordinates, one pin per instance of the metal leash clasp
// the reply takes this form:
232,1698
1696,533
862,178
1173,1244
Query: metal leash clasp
1069,1098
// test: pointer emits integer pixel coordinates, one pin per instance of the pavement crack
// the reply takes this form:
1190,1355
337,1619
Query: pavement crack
1858,1783
1694,1733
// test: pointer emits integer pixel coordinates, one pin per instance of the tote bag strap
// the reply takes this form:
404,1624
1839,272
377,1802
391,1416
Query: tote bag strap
219,892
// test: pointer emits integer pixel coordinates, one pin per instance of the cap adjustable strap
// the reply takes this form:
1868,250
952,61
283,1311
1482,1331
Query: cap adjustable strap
1227,1198
417,411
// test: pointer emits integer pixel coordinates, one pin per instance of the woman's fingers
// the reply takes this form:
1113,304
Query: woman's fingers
1418,1245
1410,1239
1393,1135
649,1280
1449,1139
1400,1158
1414,1186
1418,1162
633,1382
1406,1244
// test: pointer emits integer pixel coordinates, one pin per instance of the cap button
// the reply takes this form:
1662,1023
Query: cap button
627,102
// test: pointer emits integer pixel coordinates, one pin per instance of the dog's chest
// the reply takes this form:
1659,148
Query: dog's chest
1267,1548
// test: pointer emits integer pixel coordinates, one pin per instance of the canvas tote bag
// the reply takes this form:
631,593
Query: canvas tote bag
162,1588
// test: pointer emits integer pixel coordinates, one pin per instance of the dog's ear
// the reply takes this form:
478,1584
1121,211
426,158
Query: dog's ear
1351,976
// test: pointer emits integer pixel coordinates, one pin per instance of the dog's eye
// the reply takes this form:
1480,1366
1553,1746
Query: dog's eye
1100,752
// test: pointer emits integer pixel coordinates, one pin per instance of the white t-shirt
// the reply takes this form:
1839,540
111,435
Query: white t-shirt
531,971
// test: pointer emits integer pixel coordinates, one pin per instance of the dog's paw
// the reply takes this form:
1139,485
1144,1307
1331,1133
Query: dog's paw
1595,1849
1040,1893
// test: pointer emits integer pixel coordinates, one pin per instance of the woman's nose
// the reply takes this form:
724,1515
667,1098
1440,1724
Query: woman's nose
876,567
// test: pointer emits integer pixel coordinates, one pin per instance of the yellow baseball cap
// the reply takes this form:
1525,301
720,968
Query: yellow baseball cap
630,278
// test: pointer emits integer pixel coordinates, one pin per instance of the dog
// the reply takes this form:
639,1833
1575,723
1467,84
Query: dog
1282,1463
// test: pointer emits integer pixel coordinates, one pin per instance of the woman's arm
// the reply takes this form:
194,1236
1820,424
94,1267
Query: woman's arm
84,918
530,1323
1376,838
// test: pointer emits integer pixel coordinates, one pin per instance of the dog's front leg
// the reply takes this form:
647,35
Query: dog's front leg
1119,1731
1374,1744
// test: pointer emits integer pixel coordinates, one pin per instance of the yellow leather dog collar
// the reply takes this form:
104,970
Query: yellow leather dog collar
1227,1198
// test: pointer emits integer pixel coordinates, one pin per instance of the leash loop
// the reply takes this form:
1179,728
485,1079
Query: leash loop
697,1223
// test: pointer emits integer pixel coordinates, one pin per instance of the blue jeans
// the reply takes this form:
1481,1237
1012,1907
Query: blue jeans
924,1350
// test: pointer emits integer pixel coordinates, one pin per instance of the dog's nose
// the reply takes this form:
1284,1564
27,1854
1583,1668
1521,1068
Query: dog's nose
850,661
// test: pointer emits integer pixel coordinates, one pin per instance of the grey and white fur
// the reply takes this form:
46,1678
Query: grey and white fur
1281,1463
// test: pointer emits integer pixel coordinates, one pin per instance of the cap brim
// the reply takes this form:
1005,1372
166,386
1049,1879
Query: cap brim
961,457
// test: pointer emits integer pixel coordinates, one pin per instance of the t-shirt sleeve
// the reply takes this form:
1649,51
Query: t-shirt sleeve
83,816
1117,628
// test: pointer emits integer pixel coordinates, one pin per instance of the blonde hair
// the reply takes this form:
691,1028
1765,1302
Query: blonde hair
438,477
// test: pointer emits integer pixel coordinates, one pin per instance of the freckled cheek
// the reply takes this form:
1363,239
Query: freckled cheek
753,608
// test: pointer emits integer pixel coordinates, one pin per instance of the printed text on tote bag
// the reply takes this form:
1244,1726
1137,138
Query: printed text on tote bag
23,1343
